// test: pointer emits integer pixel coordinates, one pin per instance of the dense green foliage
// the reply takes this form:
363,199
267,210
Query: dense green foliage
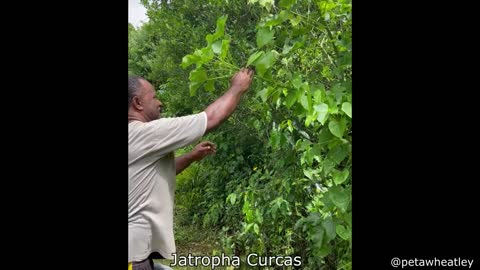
280,183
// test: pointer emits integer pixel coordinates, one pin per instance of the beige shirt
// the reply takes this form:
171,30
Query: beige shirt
151,181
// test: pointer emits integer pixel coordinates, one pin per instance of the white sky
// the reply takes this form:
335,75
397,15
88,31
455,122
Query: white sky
136,13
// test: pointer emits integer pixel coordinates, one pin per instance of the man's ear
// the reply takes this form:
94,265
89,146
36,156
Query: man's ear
137,103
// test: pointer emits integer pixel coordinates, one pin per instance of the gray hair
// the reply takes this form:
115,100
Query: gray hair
134,85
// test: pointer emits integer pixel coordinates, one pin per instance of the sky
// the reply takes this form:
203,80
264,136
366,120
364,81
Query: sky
136,13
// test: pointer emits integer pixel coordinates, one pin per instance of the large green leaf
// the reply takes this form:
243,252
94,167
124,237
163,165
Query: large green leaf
304,101
190,59
297,80
232,198
324,136
197,77
265,93
340,176
340,197
337,127
266,62
318,92
338,153
329,227
254,57
219,32
217,47
206,54
344,233
347,108
256,229
322,111
210,86
264,36
291,98
225,47
338,90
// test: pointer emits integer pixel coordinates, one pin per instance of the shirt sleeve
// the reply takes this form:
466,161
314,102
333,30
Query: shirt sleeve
170,134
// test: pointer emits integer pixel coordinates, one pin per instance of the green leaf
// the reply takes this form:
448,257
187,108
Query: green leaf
328,165
266,62
297,80
340,176
306,89
210,38
285,15
329,227
278,19
206,54
309,173
304,101
317,238
232,198
256,229
266,4
273,22
345,234
347,108
219,32
295,21
339,197
217,47
332,104
338,153
210,86
310,118
338,90
275,139
318,92
263,94
289,125
248,227
264,36
291,99
254,57
259,216
286,48
197,77
324,136
322,110
287,3
337,127
190,60
194,87
317,152
304,134
225,47
299,42
221,24
348,218
247,211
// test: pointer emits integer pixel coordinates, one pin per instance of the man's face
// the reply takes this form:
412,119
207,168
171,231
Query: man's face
151,105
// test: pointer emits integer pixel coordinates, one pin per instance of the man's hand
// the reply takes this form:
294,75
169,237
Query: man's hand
202,150
241,80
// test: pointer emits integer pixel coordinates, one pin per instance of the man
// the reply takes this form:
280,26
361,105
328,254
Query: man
152,165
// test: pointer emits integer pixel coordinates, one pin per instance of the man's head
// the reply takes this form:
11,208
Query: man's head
142,100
